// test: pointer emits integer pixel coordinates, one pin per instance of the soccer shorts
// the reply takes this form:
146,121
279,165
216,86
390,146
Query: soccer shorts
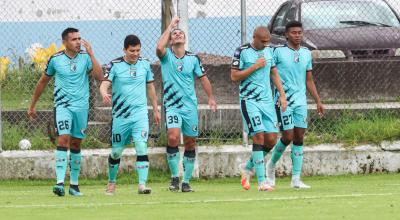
258,117
294,116
126,129
185,119
72,122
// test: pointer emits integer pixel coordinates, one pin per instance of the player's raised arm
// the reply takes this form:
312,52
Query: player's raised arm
163,41
237,74
314,93
278,84
97,71
41,84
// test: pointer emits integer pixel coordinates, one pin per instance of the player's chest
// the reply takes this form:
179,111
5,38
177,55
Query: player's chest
293,60
183,67
251,56
71,67
131,73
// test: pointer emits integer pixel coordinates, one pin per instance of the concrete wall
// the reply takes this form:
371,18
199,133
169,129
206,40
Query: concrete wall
213,161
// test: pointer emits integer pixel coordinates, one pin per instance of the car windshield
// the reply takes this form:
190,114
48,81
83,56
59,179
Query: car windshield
338,14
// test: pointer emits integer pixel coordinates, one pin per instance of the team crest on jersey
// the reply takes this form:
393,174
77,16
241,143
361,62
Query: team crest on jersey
296,57
132,71
194,128
72,65
144,134
276,124
179,66
260,54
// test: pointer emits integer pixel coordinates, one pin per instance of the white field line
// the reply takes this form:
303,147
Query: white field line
357,195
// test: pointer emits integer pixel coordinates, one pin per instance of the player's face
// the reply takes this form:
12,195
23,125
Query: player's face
178,37
261,41
132,53
73,42
295,35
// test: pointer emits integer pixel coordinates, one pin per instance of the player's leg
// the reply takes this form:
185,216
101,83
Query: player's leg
140,136
300,121
62,122
190,132
78,128
120,136
173,123
286,125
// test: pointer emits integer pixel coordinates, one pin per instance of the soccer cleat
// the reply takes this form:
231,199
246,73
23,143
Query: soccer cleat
174,185
110,191
74,190
245,176
298,184
186,188
142,189
270,173
59,189
265,187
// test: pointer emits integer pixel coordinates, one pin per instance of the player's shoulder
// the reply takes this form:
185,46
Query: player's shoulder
114,62
277,47
144,59
305,49
58,54
243,47
191,54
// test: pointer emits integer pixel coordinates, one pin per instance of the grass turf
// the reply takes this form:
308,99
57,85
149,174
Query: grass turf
339,197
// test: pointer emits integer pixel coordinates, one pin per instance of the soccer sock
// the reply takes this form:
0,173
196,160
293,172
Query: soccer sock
142,168
279,148
188,164
258,160
75,165
249,162
173,160
142,162
61,163
113,166
297,160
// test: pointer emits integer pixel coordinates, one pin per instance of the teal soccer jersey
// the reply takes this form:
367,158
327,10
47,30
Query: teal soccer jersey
128,86
256,102
257,85
292,67
71,79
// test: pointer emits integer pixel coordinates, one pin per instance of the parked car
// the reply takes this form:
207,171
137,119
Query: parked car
342,29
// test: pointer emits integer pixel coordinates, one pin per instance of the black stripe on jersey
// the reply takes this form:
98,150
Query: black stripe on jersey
115,101
289,98
127,115
177,101
279,116
60,98
168,88
256,97
56,92
63,103
291,103
251,92
119,106
179,106
171,96
244,88
123,111
246,115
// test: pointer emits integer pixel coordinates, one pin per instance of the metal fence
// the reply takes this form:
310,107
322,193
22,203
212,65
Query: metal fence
355,48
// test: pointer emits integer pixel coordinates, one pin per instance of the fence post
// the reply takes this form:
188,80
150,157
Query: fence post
183,13
243,21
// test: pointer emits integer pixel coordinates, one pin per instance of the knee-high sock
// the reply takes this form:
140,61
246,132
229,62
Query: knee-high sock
188,164
278,150
142,162
113,163
61,163
75,166
173,160
249,162
297,160
258,160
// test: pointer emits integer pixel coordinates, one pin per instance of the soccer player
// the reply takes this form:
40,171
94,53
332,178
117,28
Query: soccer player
253,66
70,69
179,70
294,64
130,77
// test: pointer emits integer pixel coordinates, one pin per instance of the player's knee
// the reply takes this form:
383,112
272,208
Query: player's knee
173,140
116,153
258,138
287,137
141,148
190,143
298,141
62,141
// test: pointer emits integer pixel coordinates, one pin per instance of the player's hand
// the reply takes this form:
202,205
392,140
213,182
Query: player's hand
174,22
87,46
107,99
260,63
320,109
157,117
212,103
282,103
32,113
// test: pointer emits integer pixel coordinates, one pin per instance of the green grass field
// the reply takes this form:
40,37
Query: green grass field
340,197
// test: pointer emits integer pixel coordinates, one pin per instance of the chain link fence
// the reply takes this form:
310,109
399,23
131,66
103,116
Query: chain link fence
355,46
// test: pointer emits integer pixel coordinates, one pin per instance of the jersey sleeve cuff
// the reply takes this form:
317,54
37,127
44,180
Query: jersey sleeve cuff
150,81
205,74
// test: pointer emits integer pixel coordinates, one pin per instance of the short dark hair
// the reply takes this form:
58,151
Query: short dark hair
65,33
291,24
131,40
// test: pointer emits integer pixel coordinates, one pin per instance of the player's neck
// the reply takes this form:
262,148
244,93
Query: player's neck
178,50
293,46
130,61
70,53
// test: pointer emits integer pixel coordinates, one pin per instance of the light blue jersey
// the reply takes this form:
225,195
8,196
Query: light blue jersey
129,86
179,75
71,88
292,67
256,86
